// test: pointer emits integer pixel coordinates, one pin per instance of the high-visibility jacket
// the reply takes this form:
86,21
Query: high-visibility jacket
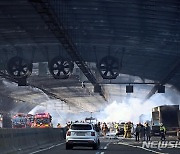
162,129
125,127
116,126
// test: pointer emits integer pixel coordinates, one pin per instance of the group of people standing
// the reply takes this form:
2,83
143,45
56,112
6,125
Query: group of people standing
143,132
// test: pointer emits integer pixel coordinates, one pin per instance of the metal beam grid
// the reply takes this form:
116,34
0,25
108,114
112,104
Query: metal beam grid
144,18
149,30
56,26
174,69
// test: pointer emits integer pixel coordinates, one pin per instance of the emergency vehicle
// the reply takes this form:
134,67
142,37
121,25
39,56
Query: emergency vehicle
19,121
30,120
42,120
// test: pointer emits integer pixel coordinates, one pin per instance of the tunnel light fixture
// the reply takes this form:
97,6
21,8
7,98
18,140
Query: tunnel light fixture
129,89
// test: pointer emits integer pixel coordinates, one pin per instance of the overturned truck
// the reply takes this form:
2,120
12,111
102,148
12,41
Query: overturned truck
169,115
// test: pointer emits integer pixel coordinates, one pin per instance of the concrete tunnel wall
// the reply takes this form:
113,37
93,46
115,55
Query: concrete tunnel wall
18,139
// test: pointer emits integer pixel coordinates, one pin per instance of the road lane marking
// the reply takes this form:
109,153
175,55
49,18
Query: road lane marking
142,148
103,148
107,145
47,148
99,152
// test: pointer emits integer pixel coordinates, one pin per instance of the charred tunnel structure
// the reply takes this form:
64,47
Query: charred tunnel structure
89,42
10,106
168,115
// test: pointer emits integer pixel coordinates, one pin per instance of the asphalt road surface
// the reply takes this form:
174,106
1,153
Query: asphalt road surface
109,145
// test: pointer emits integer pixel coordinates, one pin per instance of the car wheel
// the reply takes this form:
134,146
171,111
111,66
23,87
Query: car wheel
68,147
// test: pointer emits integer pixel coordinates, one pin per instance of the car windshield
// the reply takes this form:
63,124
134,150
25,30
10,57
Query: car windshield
19,119
30,119
81,127
42,120
155,127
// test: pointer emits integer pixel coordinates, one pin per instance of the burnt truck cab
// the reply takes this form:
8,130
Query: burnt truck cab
168,115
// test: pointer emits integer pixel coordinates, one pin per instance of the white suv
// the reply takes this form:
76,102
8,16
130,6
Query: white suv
82,134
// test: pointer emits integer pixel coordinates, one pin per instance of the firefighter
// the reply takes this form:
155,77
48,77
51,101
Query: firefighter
129,127
125,130
116,127
162,131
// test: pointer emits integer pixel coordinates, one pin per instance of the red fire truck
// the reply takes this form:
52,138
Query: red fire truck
42,120
30,120
19,121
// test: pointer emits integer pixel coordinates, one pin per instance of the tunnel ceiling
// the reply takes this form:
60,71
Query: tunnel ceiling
143,35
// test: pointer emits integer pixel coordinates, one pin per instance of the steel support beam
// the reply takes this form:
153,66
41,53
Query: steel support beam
56,26
166,79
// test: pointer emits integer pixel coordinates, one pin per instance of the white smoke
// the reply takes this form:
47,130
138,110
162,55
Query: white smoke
60,112
132,109
121,109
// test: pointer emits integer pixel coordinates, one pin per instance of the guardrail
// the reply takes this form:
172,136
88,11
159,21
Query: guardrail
19,139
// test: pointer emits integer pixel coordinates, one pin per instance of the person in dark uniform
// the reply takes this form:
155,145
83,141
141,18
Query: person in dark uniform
137,131
147,132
